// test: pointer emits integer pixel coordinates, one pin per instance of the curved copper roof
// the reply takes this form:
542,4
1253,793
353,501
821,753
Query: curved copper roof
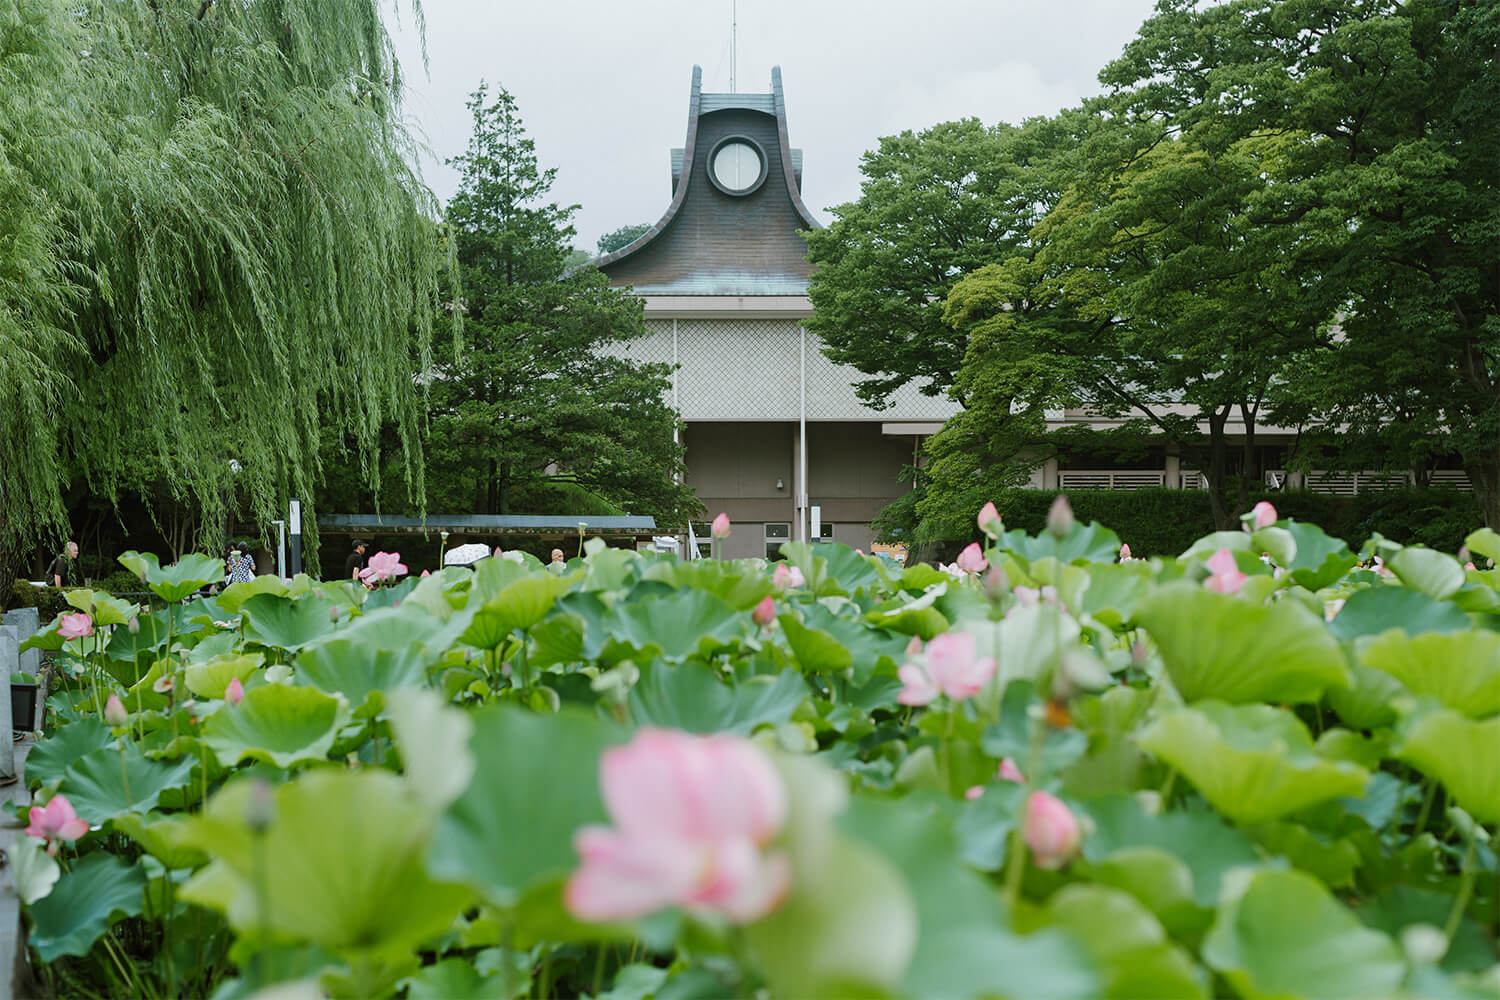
711,243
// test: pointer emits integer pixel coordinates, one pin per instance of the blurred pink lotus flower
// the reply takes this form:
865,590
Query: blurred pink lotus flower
785,576
235,692
56,821
1060,517
1030,597
720,527
75,626
1009,772
1471,567
692,816
915,646
952,668
114,712
973,792
765,612
383,566
1051,831
427,572
1124,552
1225,576
972,560
989,520
1263,515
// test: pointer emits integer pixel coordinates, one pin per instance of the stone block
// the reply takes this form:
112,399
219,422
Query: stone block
28,623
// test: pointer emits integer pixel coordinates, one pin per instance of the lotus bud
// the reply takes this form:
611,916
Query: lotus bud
973,792
1124,552
996,583
333,614
134,625
1262,515
114,712
260,811
1051,831
1009,772
765,612
972,560
1464,555
989,520
720,526
235,692
1060,518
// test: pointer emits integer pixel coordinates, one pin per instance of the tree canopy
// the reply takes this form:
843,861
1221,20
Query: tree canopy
211,244
540,392
622,237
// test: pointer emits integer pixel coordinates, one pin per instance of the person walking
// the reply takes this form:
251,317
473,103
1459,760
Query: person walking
241,564
60,572
356,560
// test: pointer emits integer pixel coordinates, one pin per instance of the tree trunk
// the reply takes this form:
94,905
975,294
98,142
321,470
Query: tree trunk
1248,464
1217,473
1483,469
491,491
504,505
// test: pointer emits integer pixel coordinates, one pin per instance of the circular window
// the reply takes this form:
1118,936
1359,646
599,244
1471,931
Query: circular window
737,166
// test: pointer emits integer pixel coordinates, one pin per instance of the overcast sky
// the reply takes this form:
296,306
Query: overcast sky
603,86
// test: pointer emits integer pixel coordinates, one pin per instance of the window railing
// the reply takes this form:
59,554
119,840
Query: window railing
1111,479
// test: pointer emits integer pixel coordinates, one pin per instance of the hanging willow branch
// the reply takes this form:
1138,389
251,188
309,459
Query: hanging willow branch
233,245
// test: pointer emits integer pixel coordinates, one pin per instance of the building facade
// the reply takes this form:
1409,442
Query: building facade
773,431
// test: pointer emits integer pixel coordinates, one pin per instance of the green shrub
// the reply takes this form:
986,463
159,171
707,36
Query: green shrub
48,601
1437,518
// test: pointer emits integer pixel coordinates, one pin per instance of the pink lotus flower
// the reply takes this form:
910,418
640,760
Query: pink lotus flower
383,566
1124,552
692,816
989,520
427,572
1060,517
1009,772
973,792
235,692
114,712
56,821
1225,576
720,527
75,626
765,612
1051,831
972,560
785,576
952,668
1262,515
1471,567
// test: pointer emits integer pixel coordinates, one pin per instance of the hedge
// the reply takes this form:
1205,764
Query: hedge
1166,522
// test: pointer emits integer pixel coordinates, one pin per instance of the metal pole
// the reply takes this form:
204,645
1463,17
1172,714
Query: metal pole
802,431
281,549
294,515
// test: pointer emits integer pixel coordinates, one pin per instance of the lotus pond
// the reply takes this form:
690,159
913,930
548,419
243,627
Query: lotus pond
1269,767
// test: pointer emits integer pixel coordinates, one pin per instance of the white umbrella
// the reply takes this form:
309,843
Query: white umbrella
463,555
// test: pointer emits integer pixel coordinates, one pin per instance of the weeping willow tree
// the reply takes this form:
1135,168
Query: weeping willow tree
212,244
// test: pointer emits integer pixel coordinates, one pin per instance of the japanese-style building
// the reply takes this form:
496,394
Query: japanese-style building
773,429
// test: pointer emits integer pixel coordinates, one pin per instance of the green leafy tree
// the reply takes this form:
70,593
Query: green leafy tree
211,246
622,237
541,390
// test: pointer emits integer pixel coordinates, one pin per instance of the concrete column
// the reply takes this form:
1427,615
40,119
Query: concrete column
1174,471
27,624
9,662
1049,474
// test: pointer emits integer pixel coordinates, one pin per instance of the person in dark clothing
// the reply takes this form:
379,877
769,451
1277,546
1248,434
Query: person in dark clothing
60,573
356,560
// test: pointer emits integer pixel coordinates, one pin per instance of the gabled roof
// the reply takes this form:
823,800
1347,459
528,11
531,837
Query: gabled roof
712,243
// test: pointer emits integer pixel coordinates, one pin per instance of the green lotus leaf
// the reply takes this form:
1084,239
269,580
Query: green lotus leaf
1115,590
408,625
1484,542
84,904
101,786
1234,541
47,761
674,626
521,605
1216,646
964,946
177,581
1461,753
492,576
691,697
101,607
162,837
391,595
1376,609
360,671
1368,703
1134,954
211,678
536,781
1459,669
725,580
278,724
1086,543
456,979
32,869
340,865
232,597
1320,559
433,738
286,623
1281,936
1434,573
1254,763
1332,859
832,568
